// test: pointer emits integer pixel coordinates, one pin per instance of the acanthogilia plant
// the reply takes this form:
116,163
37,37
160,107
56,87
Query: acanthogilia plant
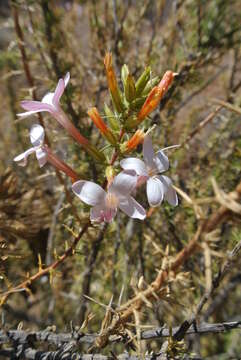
122,175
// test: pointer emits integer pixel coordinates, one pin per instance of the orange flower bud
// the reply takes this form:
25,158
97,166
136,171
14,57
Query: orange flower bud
155,96
112,83
133,142
100,124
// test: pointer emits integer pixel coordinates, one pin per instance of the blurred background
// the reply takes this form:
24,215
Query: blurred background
39,42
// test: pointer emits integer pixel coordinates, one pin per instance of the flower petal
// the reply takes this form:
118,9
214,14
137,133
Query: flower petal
37,135
161,161
155,191
170,193
132,208
58,92
22,158
134,164
124,183
48,100
42,157
101,213
35,106
66,79
148,152
89,192
26,114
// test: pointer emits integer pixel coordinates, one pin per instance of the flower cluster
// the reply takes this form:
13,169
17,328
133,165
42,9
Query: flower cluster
136,172
130,108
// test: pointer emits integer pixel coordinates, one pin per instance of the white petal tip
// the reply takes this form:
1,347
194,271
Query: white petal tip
20,161
66,79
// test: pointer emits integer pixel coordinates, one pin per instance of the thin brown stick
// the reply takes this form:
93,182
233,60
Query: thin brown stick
228,106
21,47
37,42
25,284
201,125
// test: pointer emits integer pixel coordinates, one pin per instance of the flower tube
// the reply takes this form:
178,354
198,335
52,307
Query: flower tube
51,103
43,153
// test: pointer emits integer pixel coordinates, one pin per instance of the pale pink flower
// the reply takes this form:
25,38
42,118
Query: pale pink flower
158,187
105,204
50,101
37,139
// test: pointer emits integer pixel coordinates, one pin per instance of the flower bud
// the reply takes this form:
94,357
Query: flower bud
124,74
91,149
99,123
155,96
130,89
142,81
150,85
133,142
112,119
112,83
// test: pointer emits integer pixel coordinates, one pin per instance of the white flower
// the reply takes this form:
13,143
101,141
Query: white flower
158,187
37,140
105,204
50,101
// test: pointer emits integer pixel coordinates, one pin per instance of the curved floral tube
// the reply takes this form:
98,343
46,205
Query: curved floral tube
51,103
43,153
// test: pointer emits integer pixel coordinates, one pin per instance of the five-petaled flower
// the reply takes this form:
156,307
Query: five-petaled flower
50,101
158,187
105,204
37,140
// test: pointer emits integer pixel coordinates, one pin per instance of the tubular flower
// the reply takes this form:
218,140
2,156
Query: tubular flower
44,153
37,140
158,187
134,141
100,124
105,204
112,82
155,96
50,103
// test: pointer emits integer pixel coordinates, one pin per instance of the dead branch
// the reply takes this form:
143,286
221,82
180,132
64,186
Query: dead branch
179,335
67,353
21,336
152,291
197,329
